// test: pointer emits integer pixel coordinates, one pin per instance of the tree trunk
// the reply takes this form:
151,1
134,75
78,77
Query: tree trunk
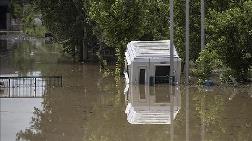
84,45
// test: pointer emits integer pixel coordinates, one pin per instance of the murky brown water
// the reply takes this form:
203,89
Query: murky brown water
92,106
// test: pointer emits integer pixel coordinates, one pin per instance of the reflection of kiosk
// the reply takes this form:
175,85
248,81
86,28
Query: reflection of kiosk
148,62
152,105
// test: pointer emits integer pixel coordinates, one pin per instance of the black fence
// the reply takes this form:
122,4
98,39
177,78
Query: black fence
27,86
31,81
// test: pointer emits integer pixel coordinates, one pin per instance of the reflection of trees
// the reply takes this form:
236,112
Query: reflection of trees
94,110
34,132
28,55
221,118
65,110
98,114
210,106
62,117
22,59
225,118
194,118
236,121
18,59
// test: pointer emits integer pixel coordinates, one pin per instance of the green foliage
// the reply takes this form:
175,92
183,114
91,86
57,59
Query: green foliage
37,31
67,20
61,19
27,13
179,19
119,22
230,34
225,74
206,63
16,9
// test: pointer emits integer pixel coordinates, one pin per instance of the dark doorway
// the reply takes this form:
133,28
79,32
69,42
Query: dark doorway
3,17
142,76
162,74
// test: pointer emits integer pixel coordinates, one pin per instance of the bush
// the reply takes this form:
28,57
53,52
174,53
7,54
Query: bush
207,61
225,75
230,35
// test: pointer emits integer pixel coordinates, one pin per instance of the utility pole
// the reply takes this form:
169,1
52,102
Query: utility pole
187,42
171,42
202,16
202,46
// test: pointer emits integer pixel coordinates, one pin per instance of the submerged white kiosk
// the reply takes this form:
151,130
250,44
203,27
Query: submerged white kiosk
148,62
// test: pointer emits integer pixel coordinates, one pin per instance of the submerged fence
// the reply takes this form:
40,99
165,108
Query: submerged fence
27,86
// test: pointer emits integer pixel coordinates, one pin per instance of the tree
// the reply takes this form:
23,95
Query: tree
207,61
228,31
121,21
67,20
179,19
230,34
16,9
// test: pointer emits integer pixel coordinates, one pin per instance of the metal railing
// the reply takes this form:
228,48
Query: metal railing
31,81
27,86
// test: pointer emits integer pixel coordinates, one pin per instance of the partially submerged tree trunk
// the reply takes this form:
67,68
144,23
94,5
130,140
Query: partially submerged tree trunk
83,46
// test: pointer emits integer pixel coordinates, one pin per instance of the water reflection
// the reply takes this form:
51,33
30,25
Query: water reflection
91,106
20,100
152,104
16,114
219,114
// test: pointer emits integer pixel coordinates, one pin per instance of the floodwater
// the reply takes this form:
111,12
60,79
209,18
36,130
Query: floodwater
96,106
